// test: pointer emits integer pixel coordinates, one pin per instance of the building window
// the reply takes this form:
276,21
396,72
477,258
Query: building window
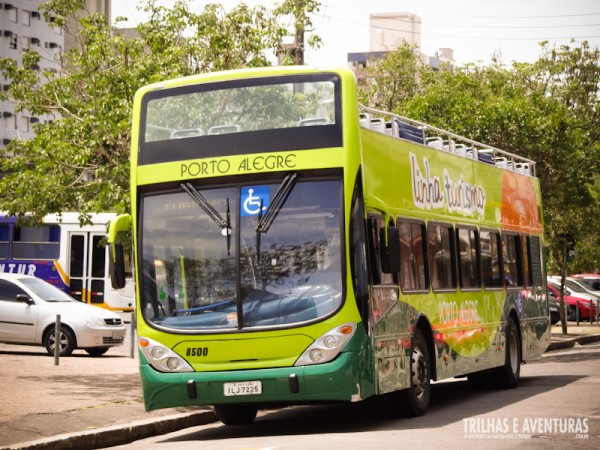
26,18
25,43
24,124
13,14
11,121
13,43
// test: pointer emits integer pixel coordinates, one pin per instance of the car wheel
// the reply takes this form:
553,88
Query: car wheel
96,351
66,341
236,414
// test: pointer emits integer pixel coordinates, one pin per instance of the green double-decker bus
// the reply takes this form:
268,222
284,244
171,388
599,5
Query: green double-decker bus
294,247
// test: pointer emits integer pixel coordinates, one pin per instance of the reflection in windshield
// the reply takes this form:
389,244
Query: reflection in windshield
194,279
272,105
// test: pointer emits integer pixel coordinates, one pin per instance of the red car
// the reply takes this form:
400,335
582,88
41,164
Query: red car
585,304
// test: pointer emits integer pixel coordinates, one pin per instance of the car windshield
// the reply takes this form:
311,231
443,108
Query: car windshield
247,256
591,283
46,291
574,286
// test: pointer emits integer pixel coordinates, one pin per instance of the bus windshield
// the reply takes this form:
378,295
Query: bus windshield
244,256
246,108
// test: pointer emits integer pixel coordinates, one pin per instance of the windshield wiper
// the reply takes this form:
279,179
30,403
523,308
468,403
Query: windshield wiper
265,221
224,224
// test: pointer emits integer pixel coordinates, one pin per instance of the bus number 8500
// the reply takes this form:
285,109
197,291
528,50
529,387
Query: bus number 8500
197,351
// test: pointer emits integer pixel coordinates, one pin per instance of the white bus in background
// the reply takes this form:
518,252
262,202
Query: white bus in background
70,256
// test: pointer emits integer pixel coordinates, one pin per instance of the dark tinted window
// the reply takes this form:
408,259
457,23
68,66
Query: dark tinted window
413,273
441,256
469,266
490,258
9,291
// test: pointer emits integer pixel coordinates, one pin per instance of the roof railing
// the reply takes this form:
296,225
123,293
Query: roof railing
412,130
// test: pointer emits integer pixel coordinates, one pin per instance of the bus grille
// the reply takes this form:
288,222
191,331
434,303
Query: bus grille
113,322
112,341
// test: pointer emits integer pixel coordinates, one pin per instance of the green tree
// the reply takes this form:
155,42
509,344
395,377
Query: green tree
392,81
79,161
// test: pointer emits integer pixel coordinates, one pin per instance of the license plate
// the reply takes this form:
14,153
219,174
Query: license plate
118,334
242,388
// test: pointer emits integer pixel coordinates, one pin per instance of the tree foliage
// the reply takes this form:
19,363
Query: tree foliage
79,160
547,111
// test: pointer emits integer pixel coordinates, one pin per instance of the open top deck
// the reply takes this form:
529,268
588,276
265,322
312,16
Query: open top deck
418,132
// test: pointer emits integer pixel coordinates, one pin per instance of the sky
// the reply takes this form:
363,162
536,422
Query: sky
475,30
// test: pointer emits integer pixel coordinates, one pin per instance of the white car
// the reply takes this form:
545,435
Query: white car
28,309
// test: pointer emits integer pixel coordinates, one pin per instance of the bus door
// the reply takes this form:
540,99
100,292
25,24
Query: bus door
87,267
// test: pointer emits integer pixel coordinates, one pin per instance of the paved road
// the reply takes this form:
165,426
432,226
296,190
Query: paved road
563,386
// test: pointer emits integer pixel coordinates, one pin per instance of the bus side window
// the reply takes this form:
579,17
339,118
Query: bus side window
375,224
442,256
469,261
40,242
491,262
4,241
527,268
513,261
413,273
537,272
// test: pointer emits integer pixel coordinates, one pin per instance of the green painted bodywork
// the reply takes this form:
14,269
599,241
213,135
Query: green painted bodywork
348,378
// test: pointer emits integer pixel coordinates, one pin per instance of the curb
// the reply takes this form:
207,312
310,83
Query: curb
118,434
568,343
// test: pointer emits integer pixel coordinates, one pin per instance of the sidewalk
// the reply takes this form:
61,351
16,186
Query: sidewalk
90,403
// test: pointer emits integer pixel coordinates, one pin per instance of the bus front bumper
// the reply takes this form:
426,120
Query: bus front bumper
337,380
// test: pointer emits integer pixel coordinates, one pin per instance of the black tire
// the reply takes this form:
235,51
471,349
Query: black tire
508,375
415,399
96,351
66,341
236,414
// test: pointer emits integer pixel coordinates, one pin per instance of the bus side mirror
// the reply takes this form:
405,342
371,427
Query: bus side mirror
116,255
116,265
390,250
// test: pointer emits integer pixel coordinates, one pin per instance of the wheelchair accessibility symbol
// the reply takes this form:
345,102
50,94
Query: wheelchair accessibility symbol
252,198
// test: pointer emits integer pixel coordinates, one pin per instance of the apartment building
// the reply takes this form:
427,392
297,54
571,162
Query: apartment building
388,31
23,27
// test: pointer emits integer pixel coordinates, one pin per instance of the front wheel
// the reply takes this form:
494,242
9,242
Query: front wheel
236,414
66,341
416,398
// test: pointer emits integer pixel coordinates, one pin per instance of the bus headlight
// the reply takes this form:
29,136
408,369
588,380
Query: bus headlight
162,358
328,346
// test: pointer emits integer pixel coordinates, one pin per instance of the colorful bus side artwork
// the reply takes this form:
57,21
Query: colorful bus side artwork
294,247
66,255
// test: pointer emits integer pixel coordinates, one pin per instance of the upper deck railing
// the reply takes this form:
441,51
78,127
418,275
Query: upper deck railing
409,129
